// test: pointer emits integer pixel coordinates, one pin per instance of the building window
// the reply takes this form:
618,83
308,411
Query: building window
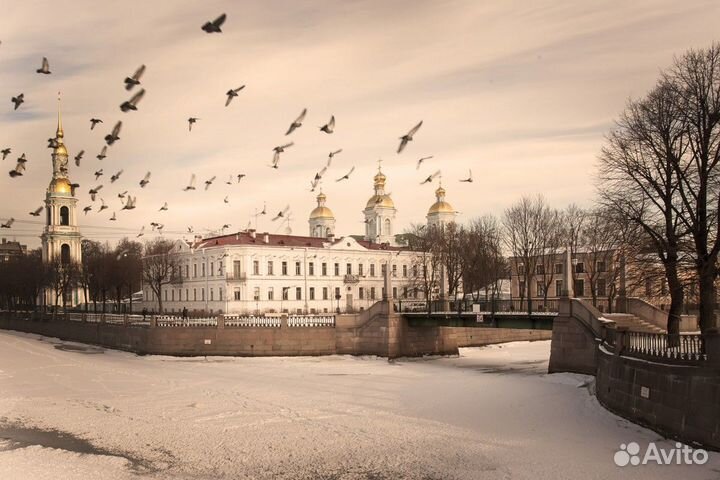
64,216
236,268
521,288
360,269
270,268
194,294
337,269
580,267
325,293
348,268
372,293
256,267
414,271
187,271
256,294
601,267
361,293
65,254
579,287
540,269
220,290
405,292
194,270
212,268
337,293
558,288
521,269
236,294
558,268
540,288
382,290
404,270
285,293
312,293
311,268
202,294
601,287
202,269
297,268
284,268
212,296
187,295
172,295
166,296
298,293
394,292
372,269
271,293
394,270
324,269
383,269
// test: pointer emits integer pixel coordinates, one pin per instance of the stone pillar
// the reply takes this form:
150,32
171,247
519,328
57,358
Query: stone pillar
621,302
568,287
387,296
221,321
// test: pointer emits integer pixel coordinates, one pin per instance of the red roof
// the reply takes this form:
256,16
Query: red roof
274,240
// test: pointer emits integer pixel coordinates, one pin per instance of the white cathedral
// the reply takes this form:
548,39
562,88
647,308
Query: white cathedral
250,272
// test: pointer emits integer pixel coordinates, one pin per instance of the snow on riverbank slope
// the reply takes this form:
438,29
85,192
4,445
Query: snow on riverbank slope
490,413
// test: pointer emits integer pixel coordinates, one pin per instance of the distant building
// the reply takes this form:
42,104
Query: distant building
253,272
10,250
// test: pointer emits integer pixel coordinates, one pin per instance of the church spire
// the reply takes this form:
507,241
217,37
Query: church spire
59,133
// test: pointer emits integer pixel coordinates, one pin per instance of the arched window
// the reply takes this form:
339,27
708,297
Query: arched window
49,220
64,216
65,253
387,227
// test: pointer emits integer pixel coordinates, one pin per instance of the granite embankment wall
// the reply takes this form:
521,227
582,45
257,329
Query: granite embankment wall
376,331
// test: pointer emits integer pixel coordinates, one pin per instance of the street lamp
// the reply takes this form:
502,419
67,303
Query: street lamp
337,297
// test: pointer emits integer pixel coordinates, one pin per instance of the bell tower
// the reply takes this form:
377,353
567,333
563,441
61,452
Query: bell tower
380,212
61,236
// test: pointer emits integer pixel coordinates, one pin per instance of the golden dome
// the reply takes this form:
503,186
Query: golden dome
321,212
60,150
380,201
441,207
60,185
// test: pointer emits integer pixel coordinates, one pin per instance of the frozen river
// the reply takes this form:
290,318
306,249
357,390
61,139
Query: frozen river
73,412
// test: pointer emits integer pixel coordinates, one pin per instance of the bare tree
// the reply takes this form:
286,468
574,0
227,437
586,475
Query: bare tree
449,245
159,266
63,278
601,237
485,264
550,243
425,261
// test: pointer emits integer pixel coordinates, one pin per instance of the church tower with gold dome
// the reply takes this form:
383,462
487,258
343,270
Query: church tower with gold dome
61,237
322,220
441,212
380,213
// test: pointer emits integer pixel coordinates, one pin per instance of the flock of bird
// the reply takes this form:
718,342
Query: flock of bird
131,105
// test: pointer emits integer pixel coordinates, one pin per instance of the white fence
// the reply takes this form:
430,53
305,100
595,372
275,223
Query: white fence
311,321
251,321
172,321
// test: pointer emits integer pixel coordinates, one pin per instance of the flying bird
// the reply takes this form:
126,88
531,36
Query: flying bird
102,206
346,176
214,26
5,152
422,160
408,137
164,207
22,159
73,187
191,185
232,93
142,232
93,122
87,209
116,176
36,213
330,126
240,176
98,174
52,143
226,199
209,182
103,153
331,155
297,123
130,82
113,218
282,213
191,121
145,180
19,168
130,204
8,223
278,150
190,229
113,136
132,103
78,157
122,195
45,67
18,100
430,178
469,179
93,192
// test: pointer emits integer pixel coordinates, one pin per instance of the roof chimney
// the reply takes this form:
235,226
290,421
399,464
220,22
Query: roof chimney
237,236
252,232
198,238
266,237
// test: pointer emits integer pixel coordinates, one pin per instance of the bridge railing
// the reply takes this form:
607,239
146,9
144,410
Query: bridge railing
251,321
683,348
311,321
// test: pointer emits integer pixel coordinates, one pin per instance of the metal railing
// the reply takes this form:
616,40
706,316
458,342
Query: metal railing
173,321
661,346
236,276
251,321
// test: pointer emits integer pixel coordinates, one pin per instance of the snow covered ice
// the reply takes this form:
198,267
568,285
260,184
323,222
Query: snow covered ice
69,411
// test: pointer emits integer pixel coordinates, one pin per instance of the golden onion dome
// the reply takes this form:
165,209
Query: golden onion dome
441,207
380,201
60,185
60,150
379,177
321,212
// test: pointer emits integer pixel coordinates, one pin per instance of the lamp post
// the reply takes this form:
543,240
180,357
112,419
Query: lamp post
337,297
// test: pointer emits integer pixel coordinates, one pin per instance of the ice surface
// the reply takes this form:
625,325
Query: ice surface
491,413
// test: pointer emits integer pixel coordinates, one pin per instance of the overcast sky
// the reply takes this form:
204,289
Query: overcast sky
520,92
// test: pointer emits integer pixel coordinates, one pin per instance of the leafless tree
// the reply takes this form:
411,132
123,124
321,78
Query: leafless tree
550,247
485,264
425,261
160,266
601,237
63,279
450,242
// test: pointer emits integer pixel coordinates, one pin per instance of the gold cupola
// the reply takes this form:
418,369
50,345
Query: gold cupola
440,205
380,198
321,211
